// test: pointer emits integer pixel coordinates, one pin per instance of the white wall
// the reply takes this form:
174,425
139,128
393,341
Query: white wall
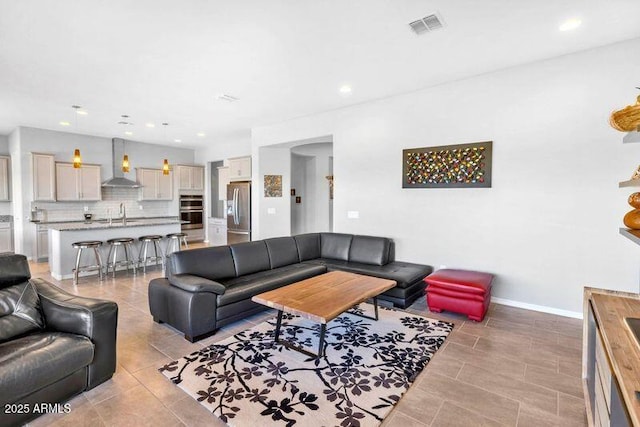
5,207
94,150
312,214
221,150
273,161
299,214
549,225
233,146
4,144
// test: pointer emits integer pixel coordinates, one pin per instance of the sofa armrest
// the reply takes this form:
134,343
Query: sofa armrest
93,318
191,283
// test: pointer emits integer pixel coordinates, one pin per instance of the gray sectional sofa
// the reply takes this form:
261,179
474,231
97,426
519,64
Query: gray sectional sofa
210,287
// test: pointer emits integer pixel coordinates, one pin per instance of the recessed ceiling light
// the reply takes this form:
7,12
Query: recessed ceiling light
177,140
128,133
150,125
570,24
64,123
82,112
200,134
345,90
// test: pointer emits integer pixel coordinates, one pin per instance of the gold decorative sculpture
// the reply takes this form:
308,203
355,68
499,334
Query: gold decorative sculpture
627,119
632,218
330,178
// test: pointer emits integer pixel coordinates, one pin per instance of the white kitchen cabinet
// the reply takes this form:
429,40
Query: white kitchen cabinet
42,242
4,179
240,169
89,182
155,185
6,237
82,184
43,171
190,177
223,181
217,231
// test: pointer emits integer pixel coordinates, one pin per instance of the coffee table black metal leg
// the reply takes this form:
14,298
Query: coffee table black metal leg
278,324
375,307
323,331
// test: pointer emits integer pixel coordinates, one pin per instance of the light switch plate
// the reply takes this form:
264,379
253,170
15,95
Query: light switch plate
353,214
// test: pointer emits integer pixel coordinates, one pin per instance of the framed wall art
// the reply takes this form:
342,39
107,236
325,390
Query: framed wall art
273,186
448,166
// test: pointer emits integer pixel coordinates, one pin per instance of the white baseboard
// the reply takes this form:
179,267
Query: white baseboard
534,307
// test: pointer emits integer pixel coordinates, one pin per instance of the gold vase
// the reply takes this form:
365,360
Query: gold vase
632,219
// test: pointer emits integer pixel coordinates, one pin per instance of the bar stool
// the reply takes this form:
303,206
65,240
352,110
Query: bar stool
87,244
112,261
175,242
146,240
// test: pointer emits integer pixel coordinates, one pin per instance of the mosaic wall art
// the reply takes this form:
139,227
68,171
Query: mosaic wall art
447,166
273,186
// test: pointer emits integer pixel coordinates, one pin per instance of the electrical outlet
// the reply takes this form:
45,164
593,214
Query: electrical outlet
353,214
86,208
140,207
271,211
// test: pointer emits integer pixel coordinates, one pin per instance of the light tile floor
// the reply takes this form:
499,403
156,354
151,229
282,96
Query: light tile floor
517,367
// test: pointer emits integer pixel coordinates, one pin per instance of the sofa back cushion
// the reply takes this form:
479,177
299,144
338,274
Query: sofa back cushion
370,250
308,246
20,311
213,263
282,251
250,257
335,246
14,269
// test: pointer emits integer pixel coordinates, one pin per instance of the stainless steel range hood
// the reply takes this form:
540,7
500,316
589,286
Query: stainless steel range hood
118,179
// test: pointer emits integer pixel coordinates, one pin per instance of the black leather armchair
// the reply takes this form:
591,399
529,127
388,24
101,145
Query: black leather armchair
73,350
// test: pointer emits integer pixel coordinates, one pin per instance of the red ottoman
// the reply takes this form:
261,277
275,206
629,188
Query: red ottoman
466,292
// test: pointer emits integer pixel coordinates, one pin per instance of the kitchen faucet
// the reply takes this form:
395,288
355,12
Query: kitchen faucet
123,213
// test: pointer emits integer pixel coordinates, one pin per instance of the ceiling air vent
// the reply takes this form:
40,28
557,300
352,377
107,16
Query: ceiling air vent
427,24
228,98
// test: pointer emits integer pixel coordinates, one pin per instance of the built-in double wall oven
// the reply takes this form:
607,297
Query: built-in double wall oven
192,210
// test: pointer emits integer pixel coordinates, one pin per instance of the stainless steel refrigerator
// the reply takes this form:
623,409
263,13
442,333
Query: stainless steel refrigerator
238,212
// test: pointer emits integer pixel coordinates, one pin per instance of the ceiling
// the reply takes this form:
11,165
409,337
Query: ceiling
167,61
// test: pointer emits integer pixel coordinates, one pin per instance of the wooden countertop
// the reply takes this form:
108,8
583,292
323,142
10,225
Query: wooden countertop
610,310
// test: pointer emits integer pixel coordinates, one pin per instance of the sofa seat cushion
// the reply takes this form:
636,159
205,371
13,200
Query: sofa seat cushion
404,273
35,361
244,287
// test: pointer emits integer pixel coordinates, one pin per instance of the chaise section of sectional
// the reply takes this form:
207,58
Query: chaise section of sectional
367,255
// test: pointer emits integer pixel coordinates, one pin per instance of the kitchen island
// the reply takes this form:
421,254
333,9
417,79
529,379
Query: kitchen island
62,256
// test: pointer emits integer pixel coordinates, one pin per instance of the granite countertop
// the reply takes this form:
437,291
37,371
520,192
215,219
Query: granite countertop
116,223
6,218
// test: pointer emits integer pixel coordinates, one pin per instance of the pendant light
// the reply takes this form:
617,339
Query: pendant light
77,160
125,159
165,163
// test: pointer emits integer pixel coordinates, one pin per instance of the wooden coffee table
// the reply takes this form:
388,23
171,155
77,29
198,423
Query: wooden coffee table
323,298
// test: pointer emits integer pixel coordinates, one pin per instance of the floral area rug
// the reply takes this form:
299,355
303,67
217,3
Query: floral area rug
248,380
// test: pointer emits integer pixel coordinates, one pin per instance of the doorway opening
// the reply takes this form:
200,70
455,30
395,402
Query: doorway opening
311,181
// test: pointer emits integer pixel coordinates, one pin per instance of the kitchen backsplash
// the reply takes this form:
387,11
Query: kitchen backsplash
111,199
